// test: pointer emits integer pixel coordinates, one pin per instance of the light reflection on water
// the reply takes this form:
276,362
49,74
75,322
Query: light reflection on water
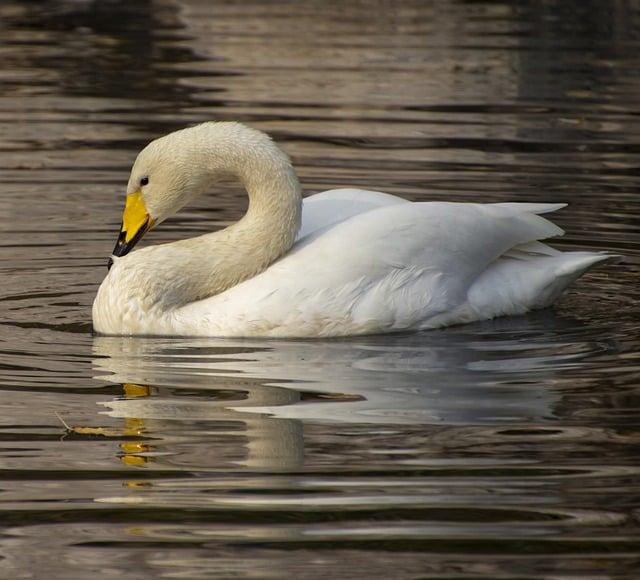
496,450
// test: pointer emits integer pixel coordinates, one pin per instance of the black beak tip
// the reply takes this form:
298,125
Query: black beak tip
123,247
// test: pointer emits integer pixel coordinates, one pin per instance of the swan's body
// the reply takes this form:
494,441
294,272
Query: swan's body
344,262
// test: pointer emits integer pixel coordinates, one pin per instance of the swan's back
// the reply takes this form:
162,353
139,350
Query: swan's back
337,205
392,265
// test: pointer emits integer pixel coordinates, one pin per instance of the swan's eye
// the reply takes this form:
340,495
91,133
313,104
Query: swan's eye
144,181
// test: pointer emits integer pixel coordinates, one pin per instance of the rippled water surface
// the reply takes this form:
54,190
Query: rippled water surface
507,449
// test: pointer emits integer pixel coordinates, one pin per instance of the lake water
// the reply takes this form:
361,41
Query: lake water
507,449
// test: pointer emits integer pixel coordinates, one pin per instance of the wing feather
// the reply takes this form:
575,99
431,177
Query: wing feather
385,268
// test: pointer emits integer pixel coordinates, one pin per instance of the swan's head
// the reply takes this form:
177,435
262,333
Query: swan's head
166,175
172,170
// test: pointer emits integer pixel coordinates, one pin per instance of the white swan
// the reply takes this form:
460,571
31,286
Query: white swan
343,262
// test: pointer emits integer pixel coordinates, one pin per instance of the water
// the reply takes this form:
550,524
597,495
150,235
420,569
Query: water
507,449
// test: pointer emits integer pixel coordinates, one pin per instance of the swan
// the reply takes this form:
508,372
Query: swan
339,263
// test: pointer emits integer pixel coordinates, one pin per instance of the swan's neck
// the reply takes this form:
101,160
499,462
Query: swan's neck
268,229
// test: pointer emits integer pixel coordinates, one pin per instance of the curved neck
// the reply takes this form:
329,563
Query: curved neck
271,223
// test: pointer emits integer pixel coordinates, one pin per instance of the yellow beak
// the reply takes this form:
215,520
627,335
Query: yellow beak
135,216
136,221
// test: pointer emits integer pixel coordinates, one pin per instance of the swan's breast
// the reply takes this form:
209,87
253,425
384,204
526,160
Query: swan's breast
127,300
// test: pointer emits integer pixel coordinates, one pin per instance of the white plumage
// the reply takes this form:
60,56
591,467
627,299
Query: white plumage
363,262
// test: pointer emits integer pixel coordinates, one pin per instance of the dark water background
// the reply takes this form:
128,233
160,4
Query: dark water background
507,449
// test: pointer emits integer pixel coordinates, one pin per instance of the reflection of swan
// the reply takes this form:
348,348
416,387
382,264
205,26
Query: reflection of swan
345,262
151,371
258,393
444,378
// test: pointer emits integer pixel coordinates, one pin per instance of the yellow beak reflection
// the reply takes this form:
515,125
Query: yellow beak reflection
135,223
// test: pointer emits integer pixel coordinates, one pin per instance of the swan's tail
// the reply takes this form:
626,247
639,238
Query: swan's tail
525,207
531,275
528,278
